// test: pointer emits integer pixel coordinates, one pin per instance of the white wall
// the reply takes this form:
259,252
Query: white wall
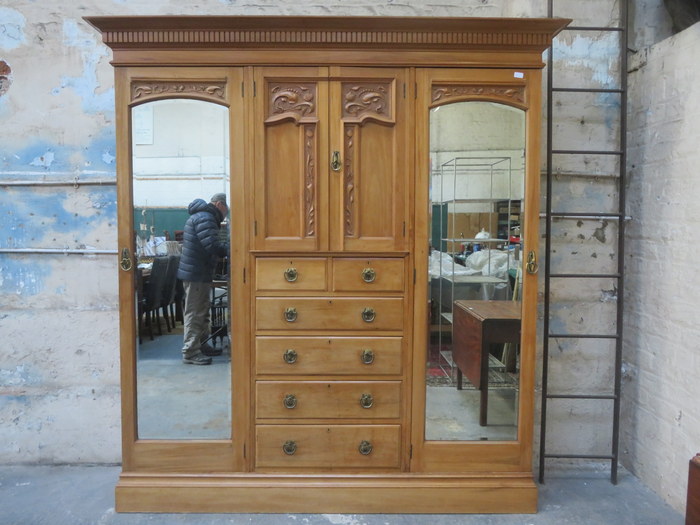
477,151
181,152
661,389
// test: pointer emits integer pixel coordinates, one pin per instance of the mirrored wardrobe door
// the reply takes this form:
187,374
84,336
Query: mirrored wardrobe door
182,212
475,375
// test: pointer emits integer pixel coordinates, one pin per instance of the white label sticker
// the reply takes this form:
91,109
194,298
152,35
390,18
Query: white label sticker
518,74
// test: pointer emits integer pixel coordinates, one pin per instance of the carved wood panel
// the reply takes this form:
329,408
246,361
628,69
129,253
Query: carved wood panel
287,161
291,100
367,100
147,90
349,182
507,93
310,180
372,112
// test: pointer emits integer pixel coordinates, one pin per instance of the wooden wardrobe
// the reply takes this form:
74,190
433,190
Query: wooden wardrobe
329,319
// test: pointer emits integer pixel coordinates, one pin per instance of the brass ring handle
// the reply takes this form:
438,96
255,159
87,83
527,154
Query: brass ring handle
125,263
290,315
365,448
289,447
366,400
335,161
368,315
369,275
290,356
532,265
291,274
290,401
367,356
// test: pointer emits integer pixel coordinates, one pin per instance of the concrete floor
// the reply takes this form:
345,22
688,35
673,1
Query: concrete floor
68,495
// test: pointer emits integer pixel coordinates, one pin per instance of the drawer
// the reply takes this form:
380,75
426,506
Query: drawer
328,355
332,446
304,274
336,313
368,275
327,399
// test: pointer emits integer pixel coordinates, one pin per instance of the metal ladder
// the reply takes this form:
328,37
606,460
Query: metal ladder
550,215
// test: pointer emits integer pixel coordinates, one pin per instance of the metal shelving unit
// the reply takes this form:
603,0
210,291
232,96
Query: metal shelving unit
455,170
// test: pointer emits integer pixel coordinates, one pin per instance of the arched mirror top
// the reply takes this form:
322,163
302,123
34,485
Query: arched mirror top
143,91
508,94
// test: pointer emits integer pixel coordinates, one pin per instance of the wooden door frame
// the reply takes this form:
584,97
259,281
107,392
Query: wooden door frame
518,88
316,168
399,118
135,86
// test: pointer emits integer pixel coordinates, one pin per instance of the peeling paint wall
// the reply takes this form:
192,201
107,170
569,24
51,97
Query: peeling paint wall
661,426
59,379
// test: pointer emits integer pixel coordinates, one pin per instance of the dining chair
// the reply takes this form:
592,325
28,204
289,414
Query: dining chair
167,299
153,293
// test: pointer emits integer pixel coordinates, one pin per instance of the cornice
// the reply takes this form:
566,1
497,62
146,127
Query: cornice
411,33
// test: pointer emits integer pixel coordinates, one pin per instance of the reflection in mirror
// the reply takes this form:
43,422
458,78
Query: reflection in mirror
477,152
180,154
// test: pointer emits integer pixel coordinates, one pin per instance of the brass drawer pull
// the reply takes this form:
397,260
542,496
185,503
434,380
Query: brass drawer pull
368,315
291,274
290,401
369,275
367,356
290,356
366,401
290,314
365,448
289,447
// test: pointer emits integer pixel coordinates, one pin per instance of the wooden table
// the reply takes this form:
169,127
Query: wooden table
477,325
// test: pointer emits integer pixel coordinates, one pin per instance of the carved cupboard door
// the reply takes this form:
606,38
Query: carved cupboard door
291,159
332,159
369,138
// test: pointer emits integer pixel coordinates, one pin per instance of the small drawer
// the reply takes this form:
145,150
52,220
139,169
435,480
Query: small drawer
336,313
368,275
327,399
328,355
276,274
327,446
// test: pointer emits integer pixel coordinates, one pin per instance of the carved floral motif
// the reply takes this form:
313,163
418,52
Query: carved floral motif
349,182
309,181
367,99
146,90
513,93
297,99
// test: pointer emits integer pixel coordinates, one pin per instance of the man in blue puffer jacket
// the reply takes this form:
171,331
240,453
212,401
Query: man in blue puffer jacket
201,249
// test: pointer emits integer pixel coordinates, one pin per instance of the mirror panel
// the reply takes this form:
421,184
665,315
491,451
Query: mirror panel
477,154
180,152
